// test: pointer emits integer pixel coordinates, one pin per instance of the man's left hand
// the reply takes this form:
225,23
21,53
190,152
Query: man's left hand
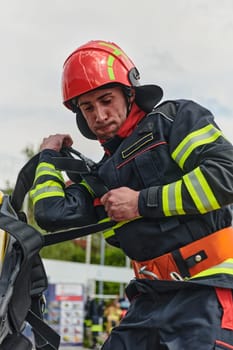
121,203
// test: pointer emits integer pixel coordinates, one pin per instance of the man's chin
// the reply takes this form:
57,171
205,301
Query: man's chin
106,135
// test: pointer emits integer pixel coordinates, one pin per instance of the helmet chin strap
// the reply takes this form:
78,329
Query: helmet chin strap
128,93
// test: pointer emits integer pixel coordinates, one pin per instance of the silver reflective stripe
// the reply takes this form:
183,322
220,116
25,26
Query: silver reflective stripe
172,199
47,169
47,189
200,191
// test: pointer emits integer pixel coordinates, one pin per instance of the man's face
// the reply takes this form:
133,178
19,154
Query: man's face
105,110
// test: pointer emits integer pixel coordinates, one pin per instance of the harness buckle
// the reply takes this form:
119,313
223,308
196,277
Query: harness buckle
143,271
175,276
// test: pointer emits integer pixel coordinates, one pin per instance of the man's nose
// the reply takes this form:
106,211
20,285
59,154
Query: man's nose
101,113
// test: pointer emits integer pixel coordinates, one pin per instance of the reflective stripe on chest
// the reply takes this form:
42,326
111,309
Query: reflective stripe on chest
137,145
138,152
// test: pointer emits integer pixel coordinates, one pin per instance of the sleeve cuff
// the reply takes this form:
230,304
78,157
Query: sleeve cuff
45,155
149,202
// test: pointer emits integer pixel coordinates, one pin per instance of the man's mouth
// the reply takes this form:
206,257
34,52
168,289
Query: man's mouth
104,127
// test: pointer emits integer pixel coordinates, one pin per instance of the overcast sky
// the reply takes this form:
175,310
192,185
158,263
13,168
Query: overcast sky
185,46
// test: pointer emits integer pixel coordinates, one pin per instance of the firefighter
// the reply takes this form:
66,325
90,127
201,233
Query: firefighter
169,173
112,314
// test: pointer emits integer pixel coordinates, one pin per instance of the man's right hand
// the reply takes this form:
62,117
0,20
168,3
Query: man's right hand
56,142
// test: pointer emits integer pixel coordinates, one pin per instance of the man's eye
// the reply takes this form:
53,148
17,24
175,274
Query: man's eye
106,102
88,109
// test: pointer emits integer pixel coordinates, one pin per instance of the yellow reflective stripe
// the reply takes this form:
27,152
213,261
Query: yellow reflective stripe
96,328
165,200
108,233
1,197
47,169
225,267
84,184
111,231
117,52
4,239
200,191
172,199
88,323
47,189
111,74
195,139
136,145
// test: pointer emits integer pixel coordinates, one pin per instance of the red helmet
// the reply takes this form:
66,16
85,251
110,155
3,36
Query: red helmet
93,65
99,63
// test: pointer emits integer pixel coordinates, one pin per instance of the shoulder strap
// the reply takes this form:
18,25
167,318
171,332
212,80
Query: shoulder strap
29,239
24,182
46,337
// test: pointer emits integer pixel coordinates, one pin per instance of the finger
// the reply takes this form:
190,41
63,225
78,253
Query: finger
104,198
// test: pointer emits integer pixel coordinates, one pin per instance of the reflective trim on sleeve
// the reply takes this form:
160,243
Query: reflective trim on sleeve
195,139
172,199
85,184
200,191
47,169
111,231
47,189
225,267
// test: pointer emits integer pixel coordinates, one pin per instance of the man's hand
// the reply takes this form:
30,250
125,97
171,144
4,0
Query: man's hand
121,203
56,142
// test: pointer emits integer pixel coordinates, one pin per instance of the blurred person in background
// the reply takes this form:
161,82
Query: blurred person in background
112,315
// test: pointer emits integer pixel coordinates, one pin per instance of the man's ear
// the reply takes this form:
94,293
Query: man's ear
132,95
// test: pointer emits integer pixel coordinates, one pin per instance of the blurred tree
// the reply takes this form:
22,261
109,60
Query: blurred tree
66,251
114,256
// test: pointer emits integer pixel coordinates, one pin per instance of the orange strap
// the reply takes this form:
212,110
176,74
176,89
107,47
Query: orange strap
190,259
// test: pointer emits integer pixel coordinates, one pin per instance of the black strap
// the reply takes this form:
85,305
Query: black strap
83,167
181,264
24,182
45,332
16,341
76,166
70,165
29,239
96,184
76,232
